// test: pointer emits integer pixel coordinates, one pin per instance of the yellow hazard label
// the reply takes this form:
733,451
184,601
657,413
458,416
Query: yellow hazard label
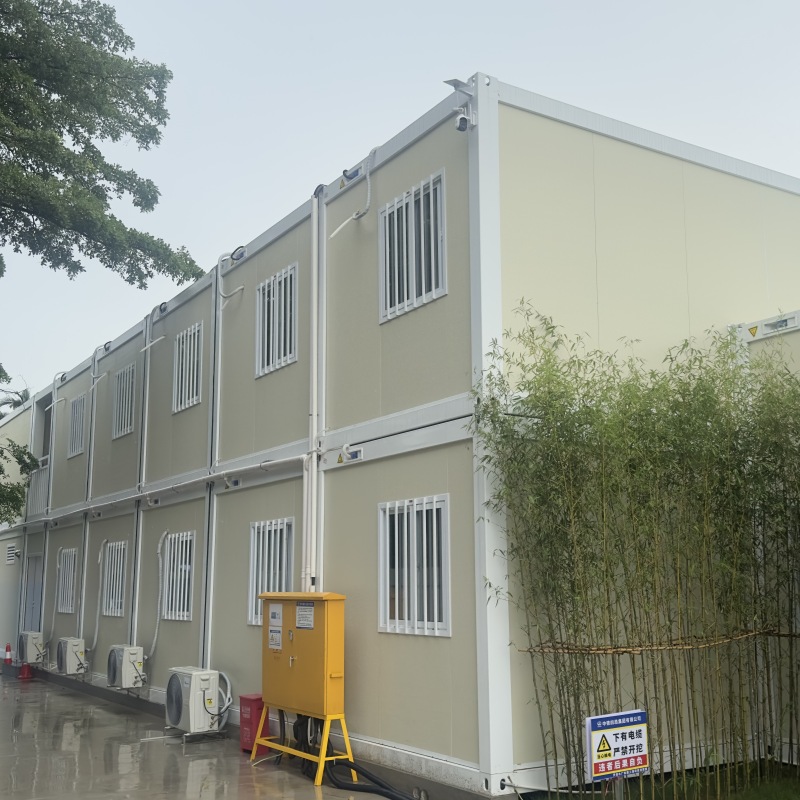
209,702
753,330
341,459
604,748
341,183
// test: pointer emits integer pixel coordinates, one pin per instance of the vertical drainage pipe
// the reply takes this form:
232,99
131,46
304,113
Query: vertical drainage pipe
313,415
322,362
51,442
138,531
213,460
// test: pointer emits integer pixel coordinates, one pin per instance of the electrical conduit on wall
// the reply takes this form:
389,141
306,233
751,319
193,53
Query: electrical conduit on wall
99,595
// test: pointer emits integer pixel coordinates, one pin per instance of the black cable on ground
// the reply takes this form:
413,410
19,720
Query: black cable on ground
373,784
282,739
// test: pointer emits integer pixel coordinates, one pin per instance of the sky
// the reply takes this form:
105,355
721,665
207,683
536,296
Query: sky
270,99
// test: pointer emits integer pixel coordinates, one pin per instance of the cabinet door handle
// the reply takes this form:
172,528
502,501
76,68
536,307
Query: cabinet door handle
336,675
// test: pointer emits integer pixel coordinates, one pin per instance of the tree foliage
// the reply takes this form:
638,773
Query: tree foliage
67,84
12,492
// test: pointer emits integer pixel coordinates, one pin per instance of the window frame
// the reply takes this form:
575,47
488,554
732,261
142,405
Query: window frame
277,570
187,368
67,564
124,411
412,585
112,602
178,577
77,426
395,261
276,337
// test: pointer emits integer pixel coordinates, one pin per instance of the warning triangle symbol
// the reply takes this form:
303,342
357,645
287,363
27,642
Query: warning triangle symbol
604,748
753,330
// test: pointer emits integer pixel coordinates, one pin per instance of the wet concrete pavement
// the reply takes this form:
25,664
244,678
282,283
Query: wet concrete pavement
55,743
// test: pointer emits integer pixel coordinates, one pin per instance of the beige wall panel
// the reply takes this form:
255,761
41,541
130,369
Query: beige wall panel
547,220
110,630
178,641
781,277
69,474
424,355
613,241
116,461
10,584
17,429
742,245
235,645
641,248
260,413
178,443
55,625
394,680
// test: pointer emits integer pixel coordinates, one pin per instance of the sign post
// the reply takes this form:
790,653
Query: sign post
617,747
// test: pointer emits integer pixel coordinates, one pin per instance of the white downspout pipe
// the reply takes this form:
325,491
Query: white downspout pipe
148,343
51,443
322,363
217,362
139,525
95,378
305,578
310,557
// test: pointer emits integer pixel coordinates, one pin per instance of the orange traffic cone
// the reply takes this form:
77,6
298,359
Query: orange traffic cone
25,673
8,653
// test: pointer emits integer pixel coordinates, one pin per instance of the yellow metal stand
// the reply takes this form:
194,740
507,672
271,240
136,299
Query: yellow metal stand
321,759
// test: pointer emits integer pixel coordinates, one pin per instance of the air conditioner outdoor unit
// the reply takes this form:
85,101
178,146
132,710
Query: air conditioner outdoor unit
71,656
30,649
125,667
192,699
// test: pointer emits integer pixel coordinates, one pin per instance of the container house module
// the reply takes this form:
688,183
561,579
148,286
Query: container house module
298,419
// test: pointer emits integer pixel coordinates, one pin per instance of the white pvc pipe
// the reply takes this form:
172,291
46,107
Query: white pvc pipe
310,561
322,357
216,366
148,343
160,592
99,595
51,443
304,546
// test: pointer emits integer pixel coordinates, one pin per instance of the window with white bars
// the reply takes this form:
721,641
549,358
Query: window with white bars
276,321
187,371
178,560
412,249
77,409
65,581
113,600
271,549
414,555
124,401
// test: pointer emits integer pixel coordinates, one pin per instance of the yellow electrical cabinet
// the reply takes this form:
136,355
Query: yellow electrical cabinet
303,652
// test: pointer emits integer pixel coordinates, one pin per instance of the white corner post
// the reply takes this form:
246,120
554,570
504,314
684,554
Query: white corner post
495,736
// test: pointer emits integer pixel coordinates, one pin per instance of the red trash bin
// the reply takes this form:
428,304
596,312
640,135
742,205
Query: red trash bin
250,708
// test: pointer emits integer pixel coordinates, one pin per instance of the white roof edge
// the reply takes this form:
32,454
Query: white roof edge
545,107
129,335
383,153
622,131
